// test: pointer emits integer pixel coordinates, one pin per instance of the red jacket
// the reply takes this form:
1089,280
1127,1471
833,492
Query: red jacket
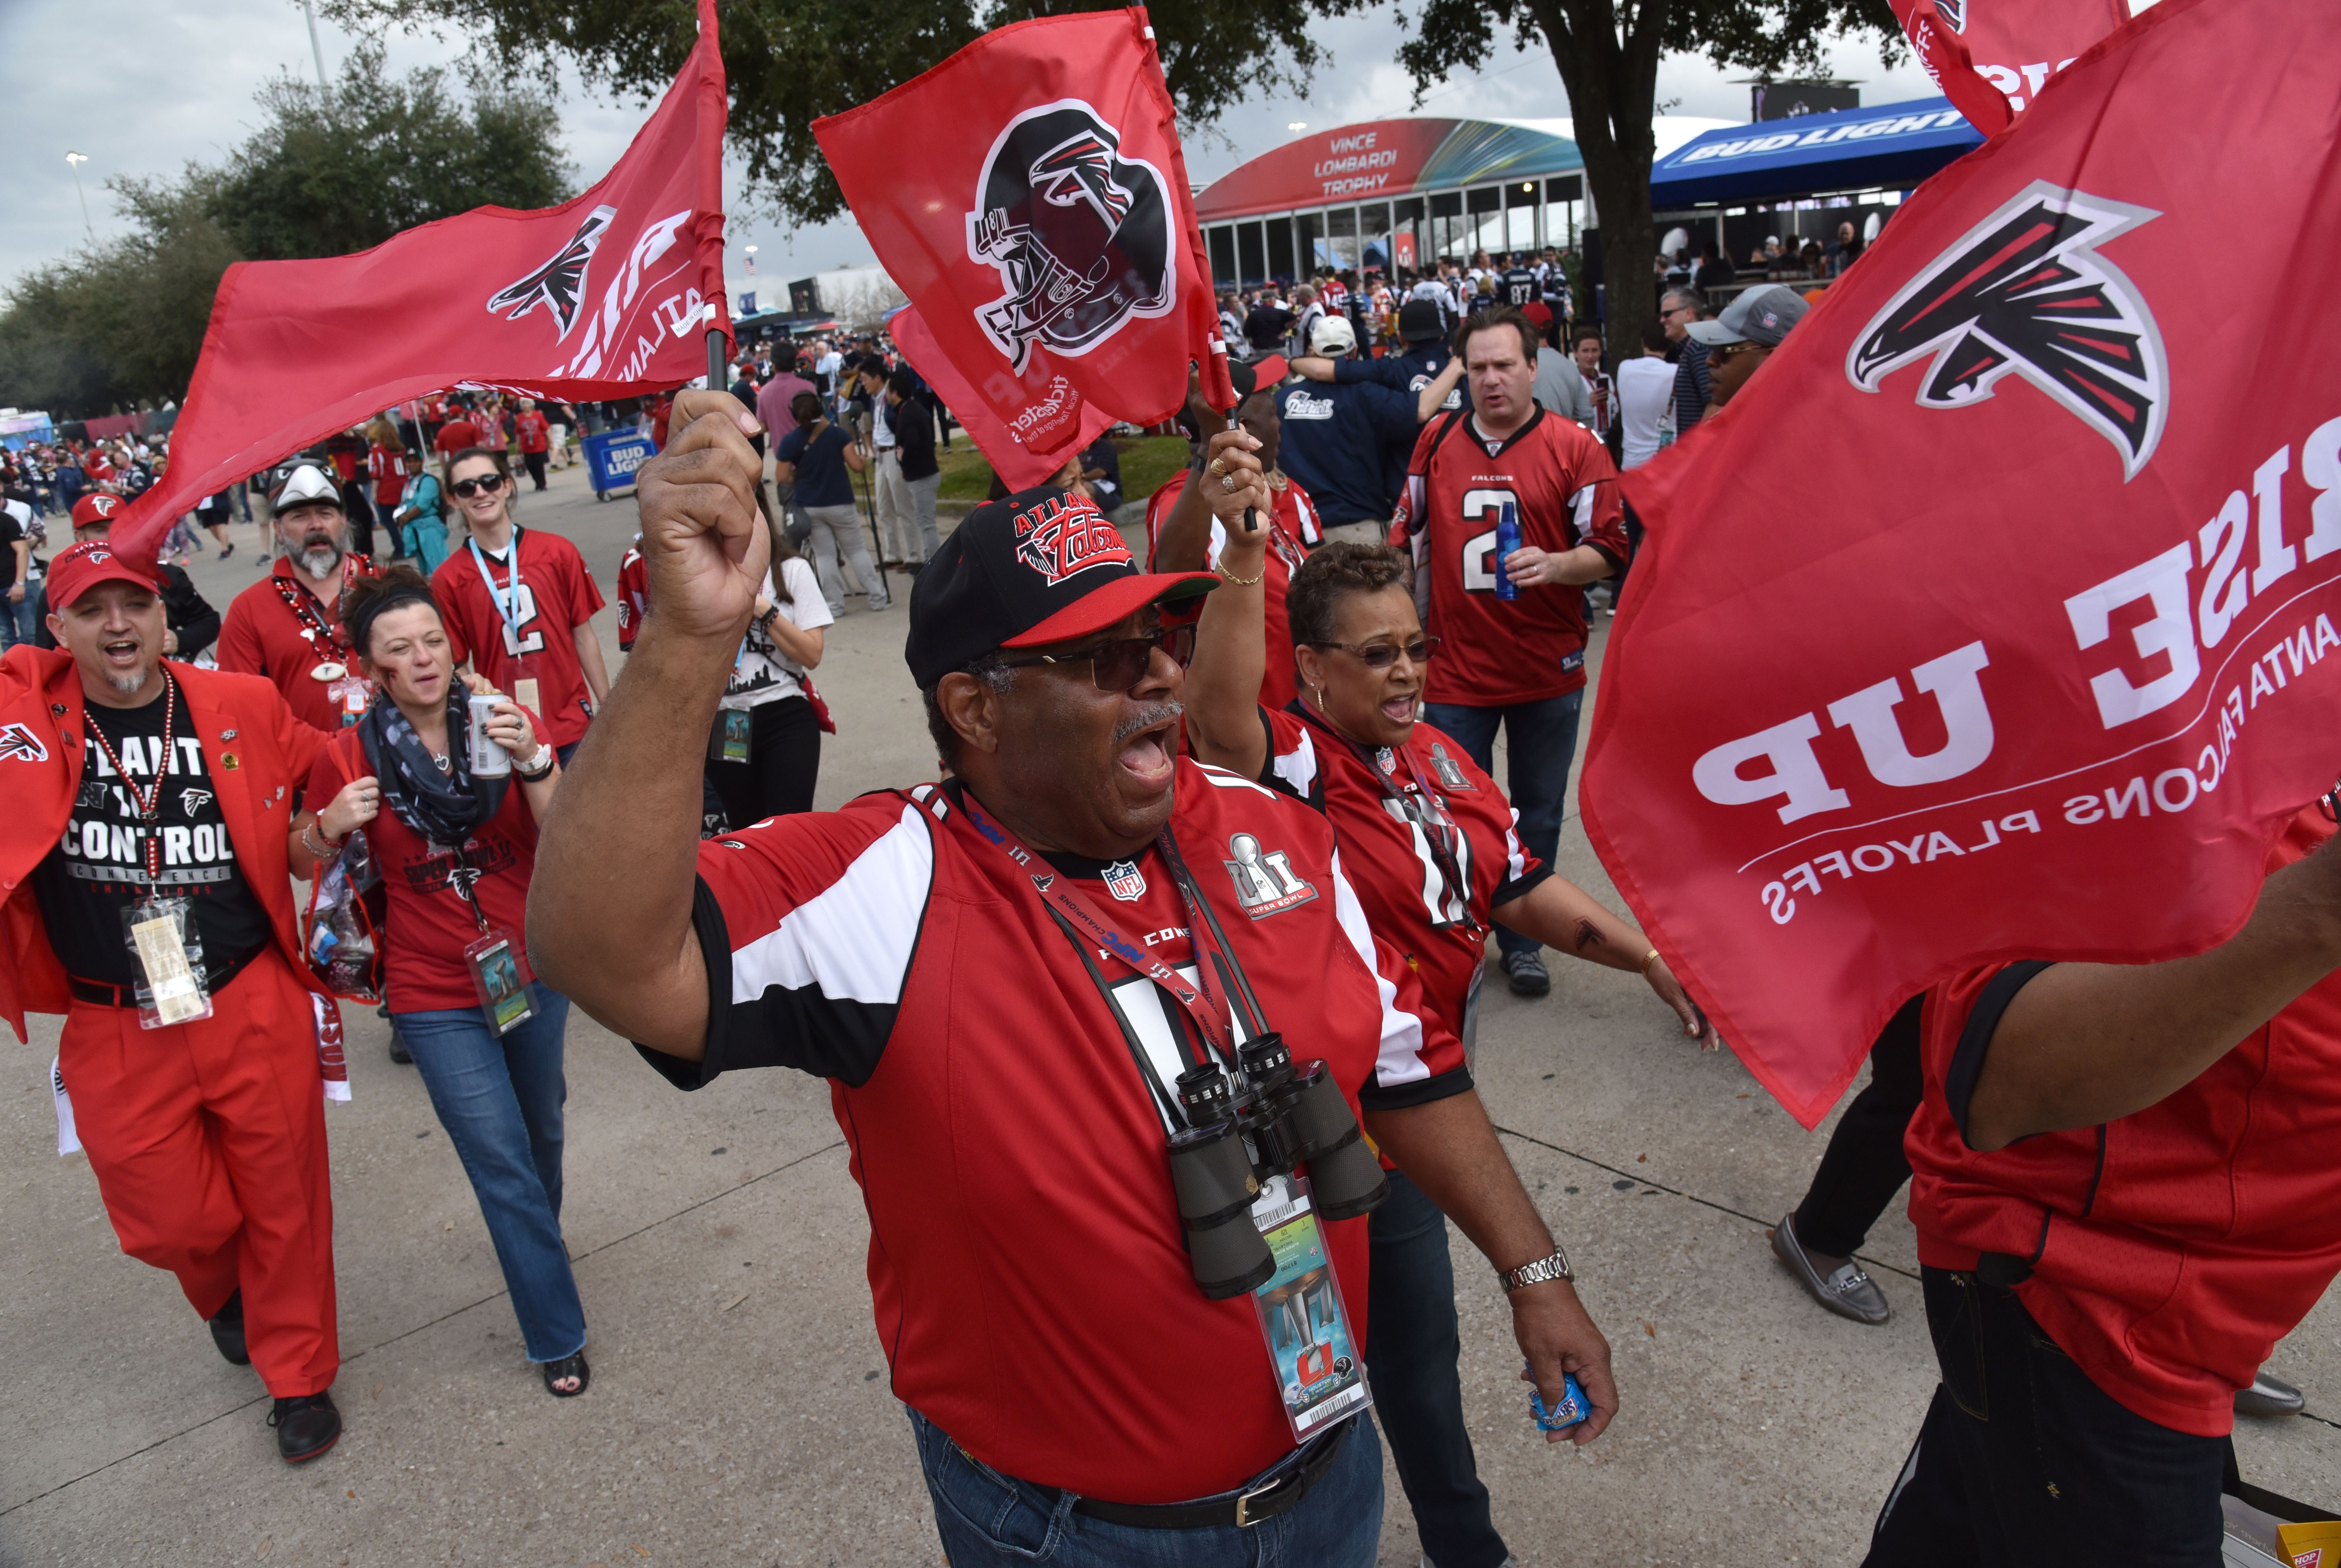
258,755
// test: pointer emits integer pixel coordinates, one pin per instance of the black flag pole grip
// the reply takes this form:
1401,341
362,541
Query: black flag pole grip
1251,515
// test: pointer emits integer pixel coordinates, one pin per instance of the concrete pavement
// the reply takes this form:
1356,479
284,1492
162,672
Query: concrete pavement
739,1412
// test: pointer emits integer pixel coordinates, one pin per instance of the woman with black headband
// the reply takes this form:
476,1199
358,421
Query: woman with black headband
455,849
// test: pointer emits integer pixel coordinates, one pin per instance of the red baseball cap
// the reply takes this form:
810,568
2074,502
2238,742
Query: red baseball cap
96,507
78,570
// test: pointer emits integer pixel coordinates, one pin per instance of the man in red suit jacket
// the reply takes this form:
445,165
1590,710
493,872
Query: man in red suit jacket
147,897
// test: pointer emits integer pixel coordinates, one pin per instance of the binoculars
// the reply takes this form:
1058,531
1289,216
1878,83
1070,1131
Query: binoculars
1238,1136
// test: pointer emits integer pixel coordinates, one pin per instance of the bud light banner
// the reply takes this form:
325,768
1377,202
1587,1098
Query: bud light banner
1991,619
1030,196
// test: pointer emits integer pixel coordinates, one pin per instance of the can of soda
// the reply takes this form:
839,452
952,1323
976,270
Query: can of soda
1507,539
489,761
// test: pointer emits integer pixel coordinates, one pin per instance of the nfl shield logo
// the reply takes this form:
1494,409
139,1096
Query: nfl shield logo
1125,881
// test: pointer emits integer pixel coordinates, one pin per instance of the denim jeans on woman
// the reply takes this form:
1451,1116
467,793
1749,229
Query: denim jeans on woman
985,1517
500,1101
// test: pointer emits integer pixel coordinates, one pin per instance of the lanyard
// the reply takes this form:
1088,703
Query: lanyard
506,600
313,626
150,804
1435,831
1200,1001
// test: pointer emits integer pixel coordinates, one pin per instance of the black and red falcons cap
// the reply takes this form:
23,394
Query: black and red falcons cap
1042,566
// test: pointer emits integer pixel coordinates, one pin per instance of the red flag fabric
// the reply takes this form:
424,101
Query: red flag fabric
1029,195
1992,57
1989,620
1016,463
607,295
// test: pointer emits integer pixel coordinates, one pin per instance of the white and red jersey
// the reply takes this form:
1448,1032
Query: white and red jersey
1295,530
1002,1087
1414,821
633,594
1336,296
554,595
1494,651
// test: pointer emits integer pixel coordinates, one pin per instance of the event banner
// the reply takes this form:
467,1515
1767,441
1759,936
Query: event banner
1989,622
1018,467
608,295
2013,45
1030,196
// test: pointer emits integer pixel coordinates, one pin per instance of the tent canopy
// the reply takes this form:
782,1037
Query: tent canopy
1891,146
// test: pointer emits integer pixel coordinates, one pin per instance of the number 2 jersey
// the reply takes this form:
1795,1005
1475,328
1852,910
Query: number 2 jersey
1493,651
556,595
1390,838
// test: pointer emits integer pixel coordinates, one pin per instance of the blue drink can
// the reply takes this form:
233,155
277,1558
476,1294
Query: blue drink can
1507,539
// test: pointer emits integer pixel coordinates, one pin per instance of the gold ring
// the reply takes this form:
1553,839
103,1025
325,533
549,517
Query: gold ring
1219,465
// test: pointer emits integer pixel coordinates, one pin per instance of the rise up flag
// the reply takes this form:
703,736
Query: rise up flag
1991,620
1992,57
610,294
1029,195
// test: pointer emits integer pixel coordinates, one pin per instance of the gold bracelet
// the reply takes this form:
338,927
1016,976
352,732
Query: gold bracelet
1645,962
1252,581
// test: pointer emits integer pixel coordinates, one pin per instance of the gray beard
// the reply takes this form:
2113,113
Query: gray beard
319,560
130,685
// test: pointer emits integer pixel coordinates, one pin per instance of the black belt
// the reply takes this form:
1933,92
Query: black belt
216,980
1277,1490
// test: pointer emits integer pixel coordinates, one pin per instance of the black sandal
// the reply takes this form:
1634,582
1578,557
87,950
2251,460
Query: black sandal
567,1366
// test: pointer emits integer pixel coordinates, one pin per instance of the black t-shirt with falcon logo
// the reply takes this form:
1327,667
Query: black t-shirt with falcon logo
98,868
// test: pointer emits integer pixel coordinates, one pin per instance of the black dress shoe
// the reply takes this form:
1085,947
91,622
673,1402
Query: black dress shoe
1845,1290
2269,1395
227,1331
306,1426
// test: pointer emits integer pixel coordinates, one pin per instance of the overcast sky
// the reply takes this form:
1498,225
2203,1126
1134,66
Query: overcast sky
141,89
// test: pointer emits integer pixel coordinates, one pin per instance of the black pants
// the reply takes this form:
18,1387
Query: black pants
2023,1460
1864,1166
535,462
1412,1341
783,761
384,513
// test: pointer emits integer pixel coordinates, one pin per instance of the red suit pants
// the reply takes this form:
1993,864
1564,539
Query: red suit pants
208,1141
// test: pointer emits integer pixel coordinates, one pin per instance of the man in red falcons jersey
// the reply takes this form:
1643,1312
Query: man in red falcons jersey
288,625
1433,852
1004,976
1517,662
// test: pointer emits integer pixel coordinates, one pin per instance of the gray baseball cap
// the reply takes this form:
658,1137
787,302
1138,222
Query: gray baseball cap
1758,316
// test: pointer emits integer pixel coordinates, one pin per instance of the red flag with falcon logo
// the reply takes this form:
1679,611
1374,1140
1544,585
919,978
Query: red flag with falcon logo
1029,195
610,294
1989,620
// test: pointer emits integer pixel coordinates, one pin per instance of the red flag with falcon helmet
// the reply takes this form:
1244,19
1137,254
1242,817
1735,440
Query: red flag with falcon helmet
610,294
1029,195
1990,620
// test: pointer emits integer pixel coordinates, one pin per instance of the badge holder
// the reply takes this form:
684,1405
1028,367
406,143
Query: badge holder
1320,1376
729,740
493,961
350,694
170,954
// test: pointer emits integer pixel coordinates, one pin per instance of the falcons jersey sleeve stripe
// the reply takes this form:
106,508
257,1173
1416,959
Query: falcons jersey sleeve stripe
1402,1060
810,982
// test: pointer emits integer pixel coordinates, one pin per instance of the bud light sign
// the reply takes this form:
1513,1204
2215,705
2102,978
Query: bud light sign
611,458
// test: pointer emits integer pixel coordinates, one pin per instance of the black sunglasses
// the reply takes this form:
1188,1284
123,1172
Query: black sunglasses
1382,655
488,483
1118,665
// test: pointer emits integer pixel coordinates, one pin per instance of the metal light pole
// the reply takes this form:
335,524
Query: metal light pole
315,52
77,160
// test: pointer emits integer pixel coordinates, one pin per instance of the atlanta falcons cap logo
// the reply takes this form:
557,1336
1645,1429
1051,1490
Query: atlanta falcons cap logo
1061,534
559,285
1080,235
2025,292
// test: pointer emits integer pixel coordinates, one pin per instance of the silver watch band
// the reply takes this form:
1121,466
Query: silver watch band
1544,1268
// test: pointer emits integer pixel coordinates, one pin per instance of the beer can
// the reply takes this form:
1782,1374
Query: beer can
489,761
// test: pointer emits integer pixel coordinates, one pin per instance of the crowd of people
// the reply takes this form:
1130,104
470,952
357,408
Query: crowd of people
1201,902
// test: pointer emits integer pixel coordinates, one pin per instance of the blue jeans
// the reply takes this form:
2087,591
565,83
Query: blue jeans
500,1101
985,1517
1541,740
15,619
1413,1342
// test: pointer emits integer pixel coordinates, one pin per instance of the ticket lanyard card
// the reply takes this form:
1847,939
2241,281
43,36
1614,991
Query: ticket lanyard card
526,692
170,954
350,695
1320,1376
731,738
495,974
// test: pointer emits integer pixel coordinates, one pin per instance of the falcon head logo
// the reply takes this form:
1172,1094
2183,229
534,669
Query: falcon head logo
2025,292
1064,534
18,744
559,285
193,800
1953,13
1080,237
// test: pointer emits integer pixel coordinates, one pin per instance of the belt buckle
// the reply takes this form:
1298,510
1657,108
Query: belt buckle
1244,1499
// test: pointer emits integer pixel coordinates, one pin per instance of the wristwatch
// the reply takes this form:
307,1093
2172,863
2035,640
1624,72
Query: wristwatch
1536,1273
539,763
